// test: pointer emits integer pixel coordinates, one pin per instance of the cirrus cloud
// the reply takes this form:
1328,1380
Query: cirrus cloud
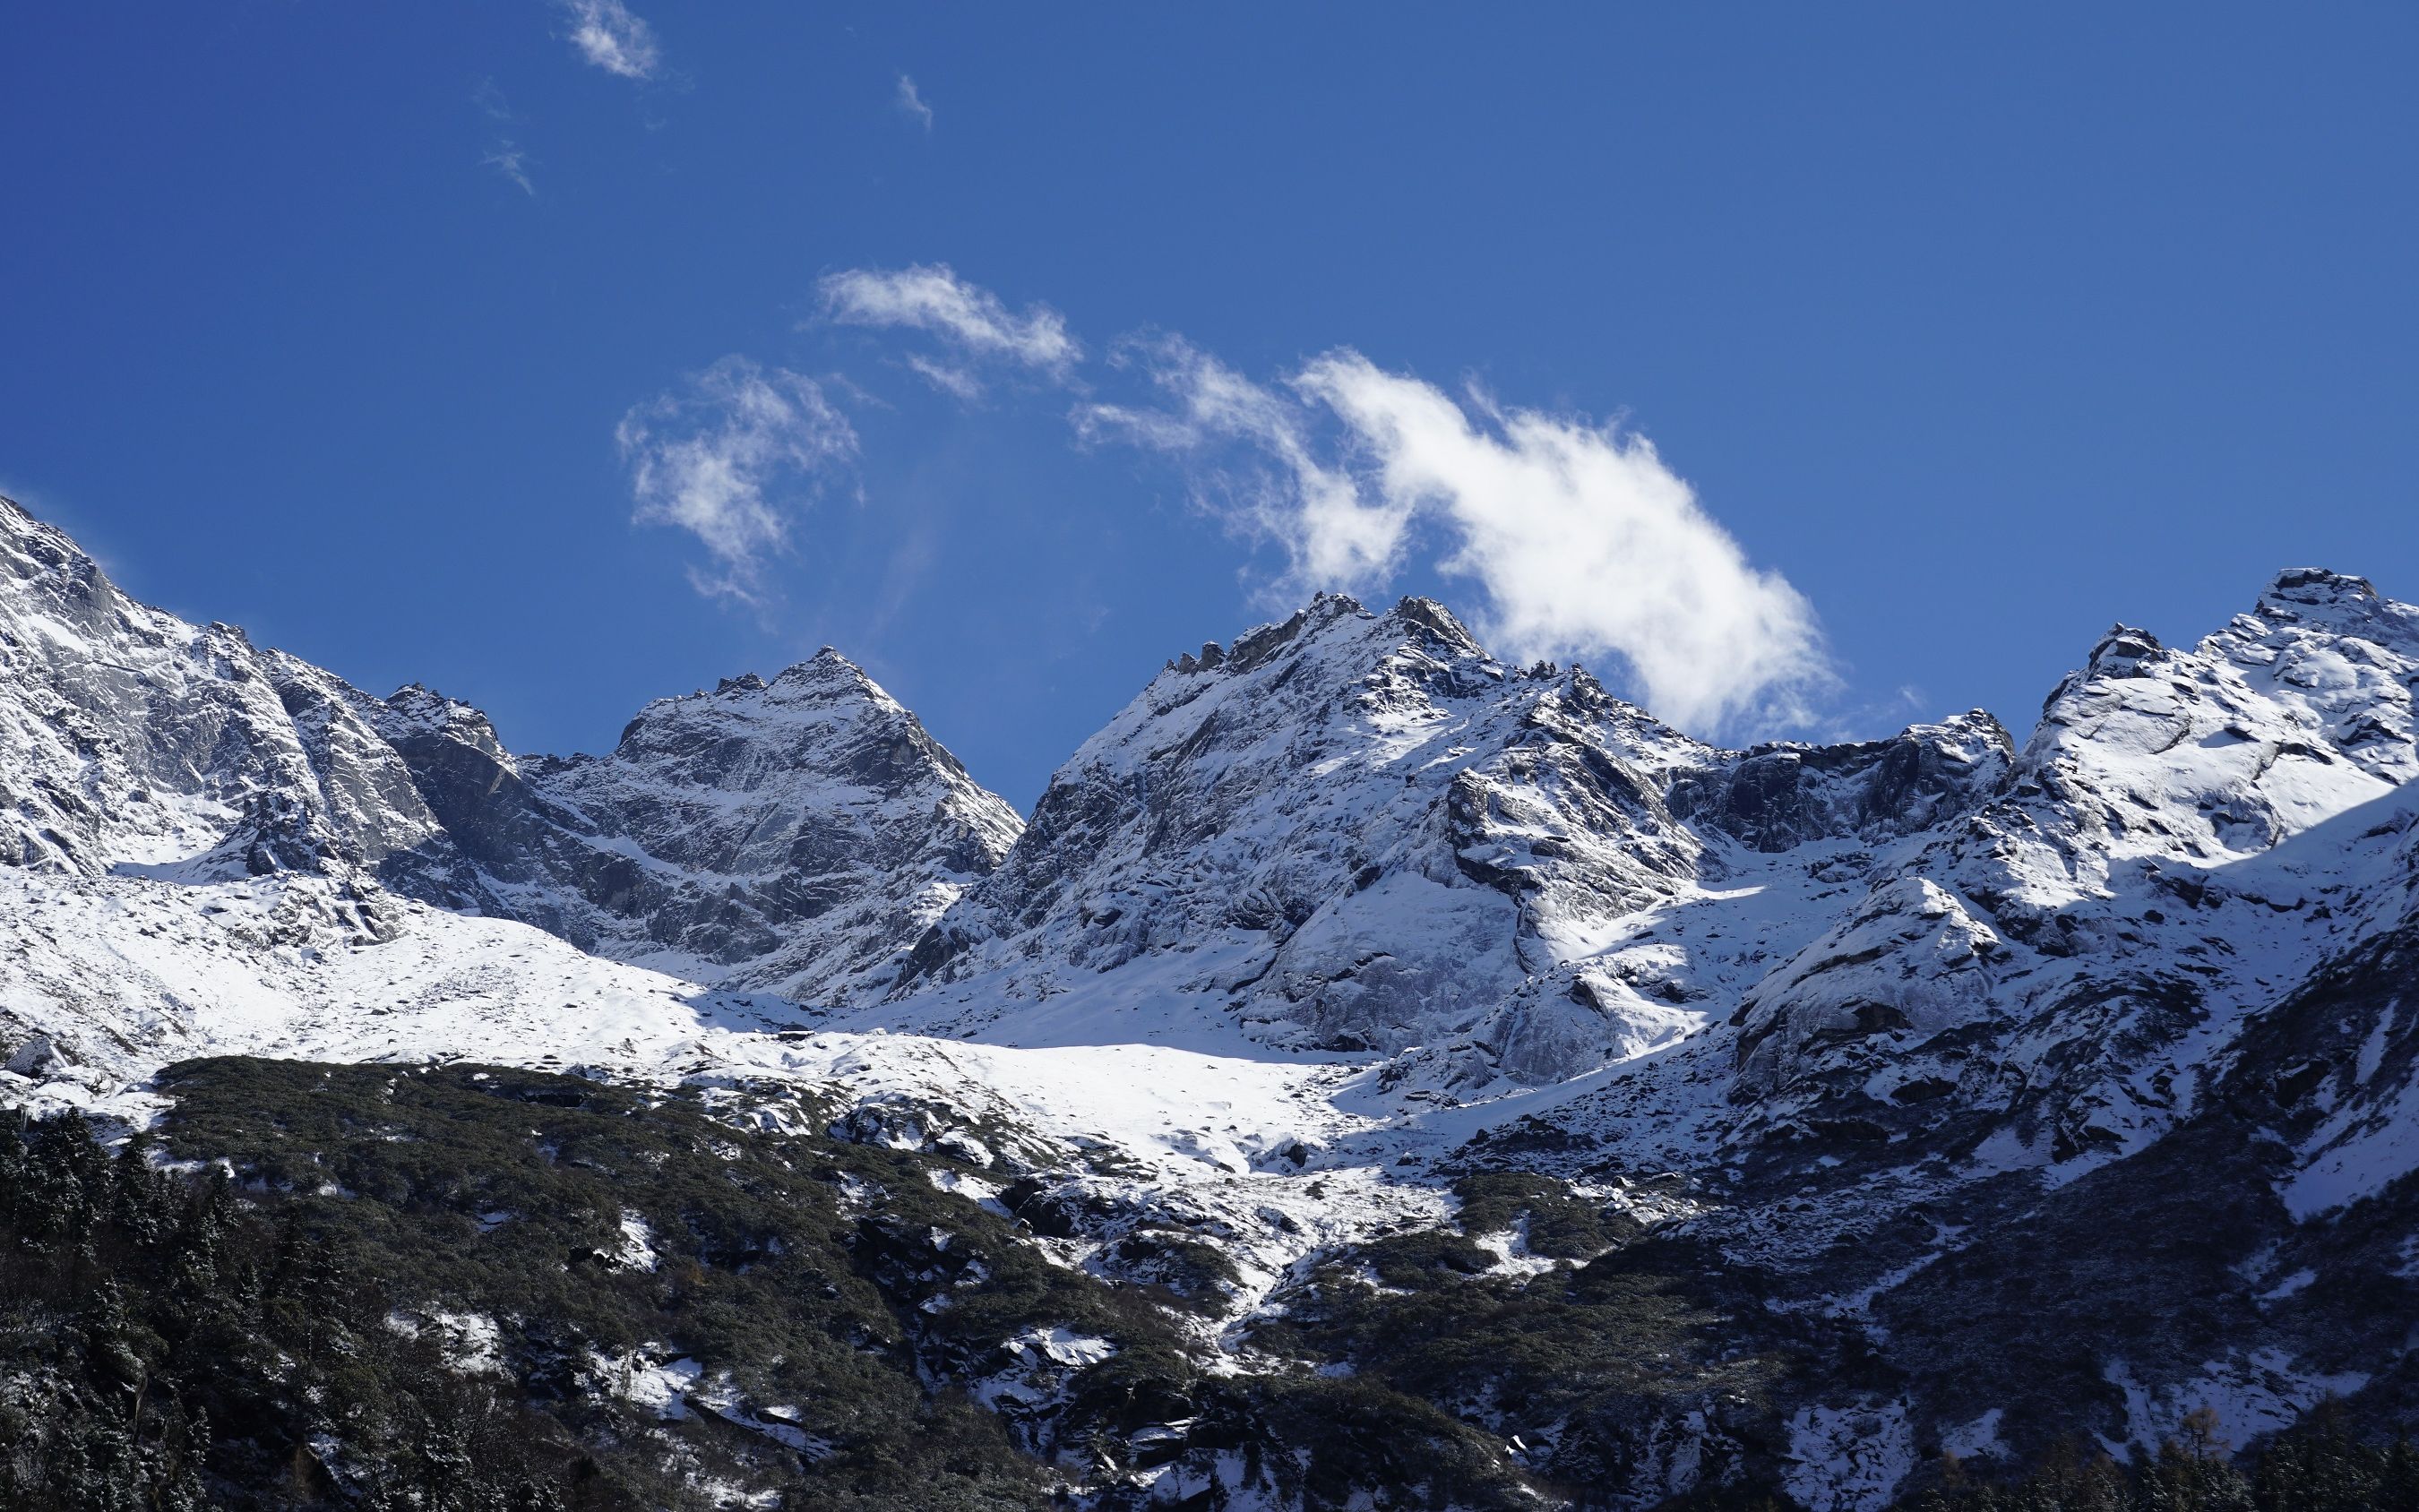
910,102
971,321
507,158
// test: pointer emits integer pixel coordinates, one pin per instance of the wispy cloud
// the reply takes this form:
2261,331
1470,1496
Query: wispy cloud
508,159
731,457
912,102
1580,537
1279,487
608,35
970,321
491,101
949,377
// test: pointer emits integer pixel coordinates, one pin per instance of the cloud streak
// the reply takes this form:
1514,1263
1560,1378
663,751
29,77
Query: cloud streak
509,160
728,458
1580,538
912,102
969,319
608,35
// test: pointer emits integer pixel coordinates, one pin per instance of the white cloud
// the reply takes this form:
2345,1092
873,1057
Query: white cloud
714,458
1582,539
912,101
970,319
509,160
1334,536
608,35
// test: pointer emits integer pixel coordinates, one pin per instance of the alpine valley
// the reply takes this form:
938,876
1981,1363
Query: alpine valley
1374,1075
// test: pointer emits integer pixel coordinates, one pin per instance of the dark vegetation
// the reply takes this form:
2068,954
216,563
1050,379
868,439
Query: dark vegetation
2317,1466
1614,1350
276,1320
263,1333
473,1290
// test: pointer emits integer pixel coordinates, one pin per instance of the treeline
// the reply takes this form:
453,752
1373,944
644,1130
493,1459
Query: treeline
167,1347
2317,1466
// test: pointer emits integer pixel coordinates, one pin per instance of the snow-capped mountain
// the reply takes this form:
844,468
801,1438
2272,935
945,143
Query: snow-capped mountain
1857,1043
797,834
135,740
2144,882
1357,831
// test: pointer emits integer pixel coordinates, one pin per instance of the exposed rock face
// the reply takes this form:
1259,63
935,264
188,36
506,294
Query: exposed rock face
2148,876
1774,797
796,834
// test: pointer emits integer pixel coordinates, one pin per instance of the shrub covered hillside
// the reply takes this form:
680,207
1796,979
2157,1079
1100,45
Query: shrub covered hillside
466,1289
2315,1467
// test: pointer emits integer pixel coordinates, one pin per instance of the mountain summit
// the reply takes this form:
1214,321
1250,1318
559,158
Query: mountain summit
1359,831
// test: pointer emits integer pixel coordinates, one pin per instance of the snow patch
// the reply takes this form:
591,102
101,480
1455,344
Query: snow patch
1849,1459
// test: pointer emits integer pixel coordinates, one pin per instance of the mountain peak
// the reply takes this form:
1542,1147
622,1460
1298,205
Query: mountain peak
1428,615
2123,649
2316,585
2314,595
1424,620
17,522
826,681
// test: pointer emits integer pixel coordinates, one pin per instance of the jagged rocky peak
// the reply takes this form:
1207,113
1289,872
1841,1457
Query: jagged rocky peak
2314,592
796,833
1774,796
1426,623
754,760
413,710
2286,715
41,555
824,714
1356,830
138,740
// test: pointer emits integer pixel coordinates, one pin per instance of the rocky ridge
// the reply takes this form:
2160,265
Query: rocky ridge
796,834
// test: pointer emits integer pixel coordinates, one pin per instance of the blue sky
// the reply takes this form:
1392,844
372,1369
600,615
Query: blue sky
1969,330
